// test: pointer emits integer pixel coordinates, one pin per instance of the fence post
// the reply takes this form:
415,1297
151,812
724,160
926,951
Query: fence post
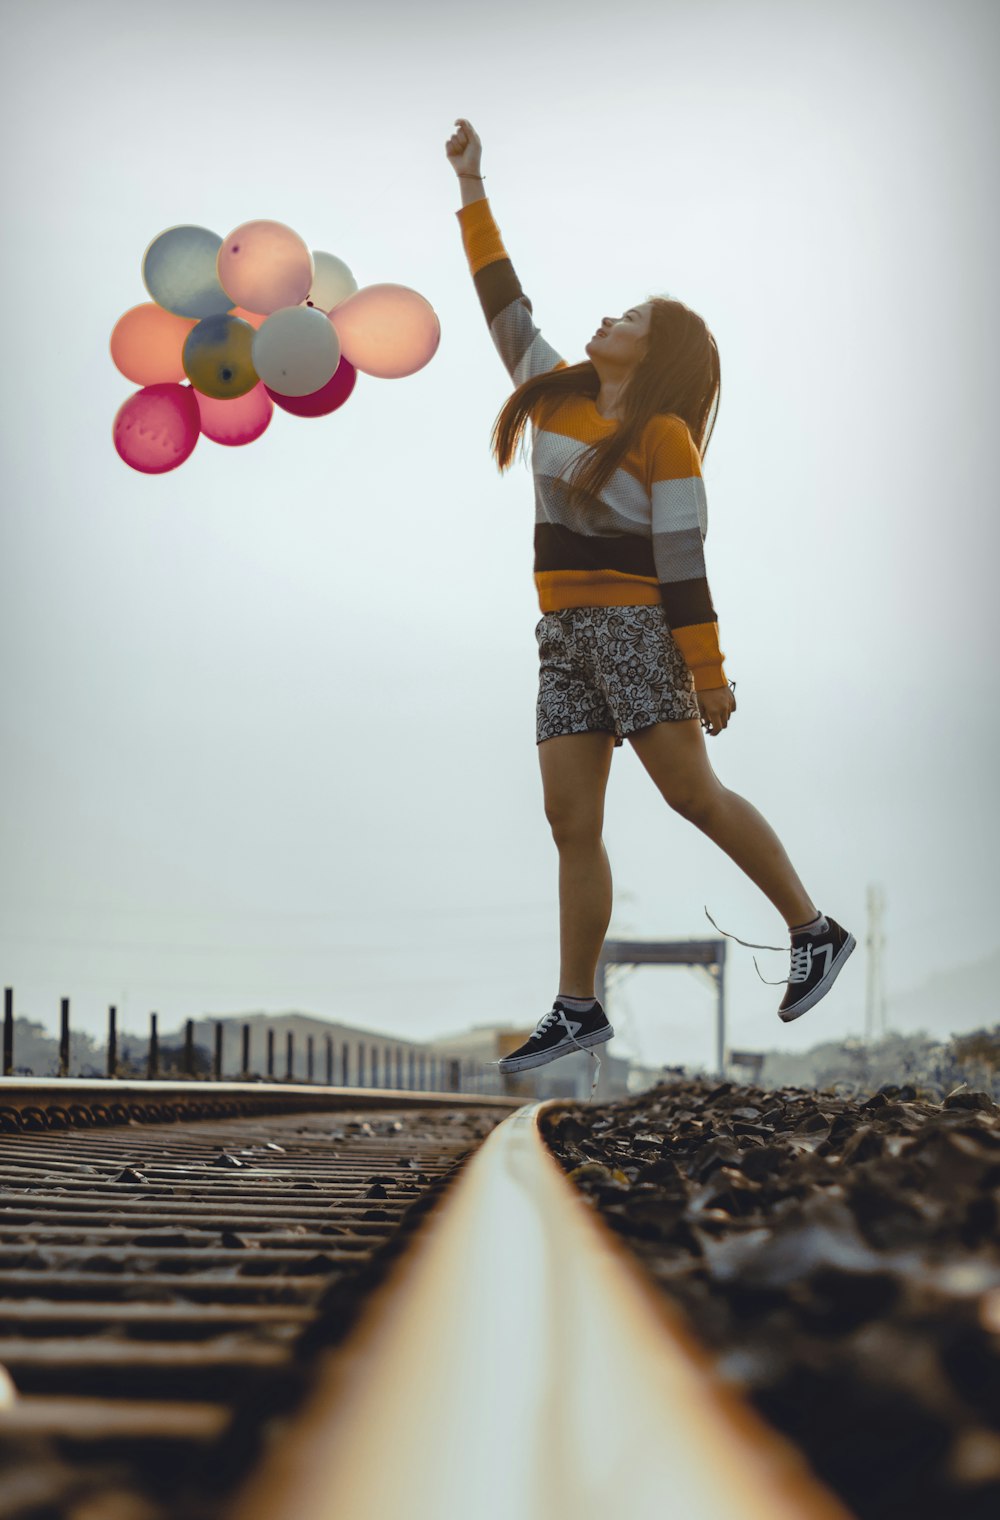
270,1054
245,1060
64,1037
153,1054
187,1060
112,1051
217,1059
289,1056
8,1031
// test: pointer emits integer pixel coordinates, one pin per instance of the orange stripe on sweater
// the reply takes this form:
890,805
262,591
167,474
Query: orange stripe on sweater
481,236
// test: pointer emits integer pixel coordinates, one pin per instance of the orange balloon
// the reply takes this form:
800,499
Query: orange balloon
147,344
255,318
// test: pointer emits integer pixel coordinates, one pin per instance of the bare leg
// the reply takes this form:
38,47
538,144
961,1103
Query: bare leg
575,770
674,755
584,913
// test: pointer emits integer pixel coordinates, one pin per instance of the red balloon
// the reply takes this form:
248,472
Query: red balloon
156,428
238,421
327,399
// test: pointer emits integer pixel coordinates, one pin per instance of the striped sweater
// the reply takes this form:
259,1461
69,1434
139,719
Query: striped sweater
641,541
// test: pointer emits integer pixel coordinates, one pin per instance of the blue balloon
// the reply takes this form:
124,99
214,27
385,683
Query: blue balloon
178,270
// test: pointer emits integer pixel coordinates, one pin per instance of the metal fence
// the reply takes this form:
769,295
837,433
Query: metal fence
328,1060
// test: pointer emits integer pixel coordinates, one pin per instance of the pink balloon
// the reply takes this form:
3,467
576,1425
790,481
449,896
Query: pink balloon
327,399
238,421
156,428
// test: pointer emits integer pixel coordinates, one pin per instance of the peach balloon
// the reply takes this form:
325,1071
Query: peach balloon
156,429
387,330
235,422
147,344
265,265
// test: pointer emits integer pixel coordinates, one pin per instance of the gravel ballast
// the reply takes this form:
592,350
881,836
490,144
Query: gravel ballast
840,1259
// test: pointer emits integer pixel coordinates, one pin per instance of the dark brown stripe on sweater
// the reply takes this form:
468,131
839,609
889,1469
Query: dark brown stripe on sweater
559,548
497,285
687,602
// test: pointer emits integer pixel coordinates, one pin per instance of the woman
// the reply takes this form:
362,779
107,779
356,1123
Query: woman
628,639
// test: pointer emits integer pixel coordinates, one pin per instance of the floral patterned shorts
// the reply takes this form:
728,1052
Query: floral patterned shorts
612,668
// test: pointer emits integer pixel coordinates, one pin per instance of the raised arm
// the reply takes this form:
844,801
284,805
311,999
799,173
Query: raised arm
680,523
523,349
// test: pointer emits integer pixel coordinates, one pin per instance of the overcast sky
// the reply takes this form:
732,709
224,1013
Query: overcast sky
267,722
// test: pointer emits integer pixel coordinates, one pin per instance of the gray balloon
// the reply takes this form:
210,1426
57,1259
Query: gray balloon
178,270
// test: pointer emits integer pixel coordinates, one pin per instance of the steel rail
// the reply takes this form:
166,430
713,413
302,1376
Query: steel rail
67,1102
517,1363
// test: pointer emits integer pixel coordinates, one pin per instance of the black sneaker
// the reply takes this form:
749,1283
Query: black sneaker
557,1033
818,957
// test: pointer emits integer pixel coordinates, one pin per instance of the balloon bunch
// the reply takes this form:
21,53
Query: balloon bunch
252,321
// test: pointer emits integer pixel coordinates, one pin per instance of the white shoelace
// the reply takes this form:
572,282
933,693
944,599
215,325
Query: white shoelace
801,956
560,1017
544,1022
801,963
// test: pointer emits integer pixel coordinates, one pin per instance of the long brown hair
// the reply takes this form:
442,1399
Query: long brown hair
679,374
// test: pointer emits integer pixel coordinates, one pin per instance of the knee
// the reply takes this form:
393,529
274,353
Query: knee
573,825
695,803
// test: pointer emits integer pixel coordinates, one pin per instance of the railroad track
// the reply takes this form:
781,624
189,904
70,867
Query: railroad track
381,1305
169,1257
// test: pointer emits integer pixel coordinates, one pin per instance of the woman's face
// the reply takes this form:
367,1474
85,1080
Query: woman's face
619,342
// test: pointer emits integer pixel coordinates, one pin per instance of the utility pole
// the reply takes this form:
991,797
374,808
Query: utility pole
874,984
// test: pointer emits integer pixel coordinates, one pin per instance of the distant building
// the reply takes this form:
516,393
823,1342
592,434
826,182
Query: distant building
358,1057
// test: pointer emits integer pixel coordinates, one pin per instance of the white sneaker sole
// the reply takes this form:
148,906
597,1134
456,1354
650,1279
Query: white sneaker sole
565,1048
821,988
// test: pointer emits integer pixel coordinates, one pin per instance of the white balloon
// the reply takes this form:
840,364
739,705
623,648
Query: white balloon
332,282
296,351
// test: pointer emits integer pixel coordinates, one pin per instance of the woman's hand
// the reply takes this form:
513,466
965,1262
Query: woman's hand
715,704
464,150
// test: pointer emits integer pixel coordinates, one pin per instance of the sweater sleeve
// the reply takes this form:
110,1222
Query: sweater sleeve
522,348
679,527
